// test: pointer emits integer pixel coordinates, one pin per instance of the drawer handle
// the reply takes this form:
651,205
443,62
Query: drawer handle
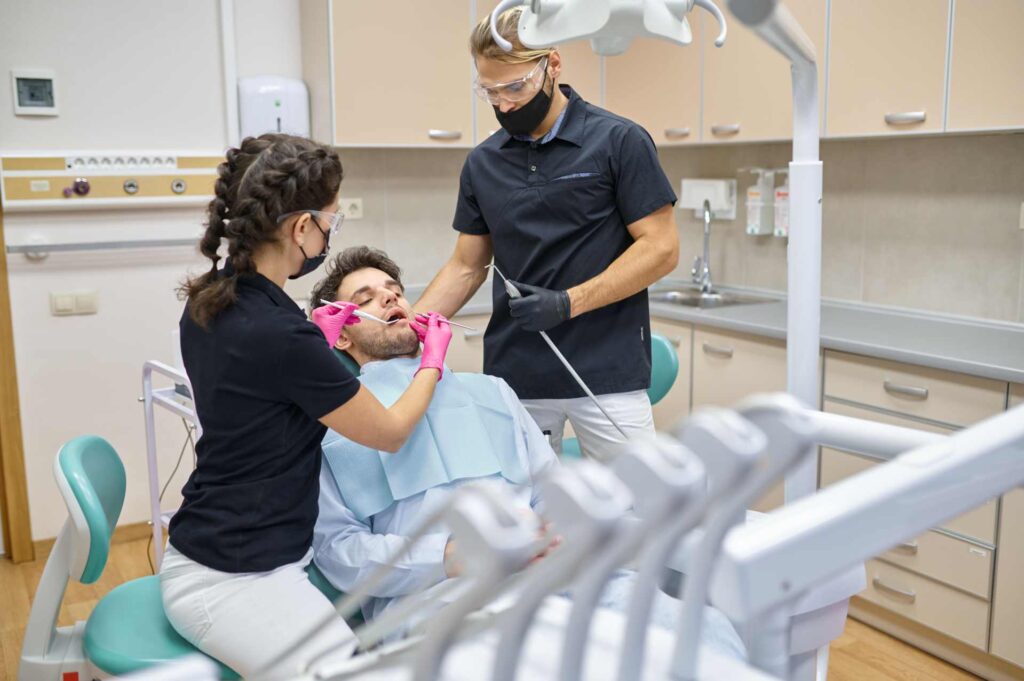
472,334
905,117
675,341
676,133
905,390
900,594
717,350
444,134
907,547
731,129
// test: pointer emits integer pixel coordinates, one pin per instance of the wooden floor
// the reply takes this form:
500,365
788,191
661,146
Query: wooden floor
860,654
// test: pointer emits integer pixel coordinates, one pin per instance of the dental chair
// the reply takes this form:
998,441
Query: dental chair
664,370
127,630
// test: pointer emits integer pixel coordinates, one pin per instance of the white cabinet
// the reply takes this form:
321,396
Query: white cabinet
886,66
1008,598
729,366
675,406
986,85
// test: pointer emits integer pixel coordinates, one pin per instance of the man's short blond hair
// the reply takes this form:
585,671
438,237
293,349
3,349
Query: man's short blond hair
481,42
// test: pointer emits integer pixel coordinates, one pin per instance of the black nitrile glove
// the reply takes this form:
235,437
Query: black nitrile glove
540,308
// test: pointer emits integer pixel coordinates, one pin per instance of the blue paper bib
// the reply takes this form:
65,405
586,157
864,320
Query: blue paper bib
466,433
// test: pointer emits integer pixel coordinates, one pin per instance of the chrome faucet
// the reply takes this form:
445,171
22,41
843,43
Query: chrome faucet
701,271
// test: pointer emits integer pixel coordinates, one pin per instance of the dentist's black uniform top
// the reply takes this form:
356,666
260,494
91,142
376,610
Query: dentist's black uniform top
557,213
262,375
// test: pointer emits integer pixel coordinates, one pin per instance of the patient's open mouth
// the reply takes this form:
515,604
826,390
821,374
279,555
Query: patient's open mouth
394,313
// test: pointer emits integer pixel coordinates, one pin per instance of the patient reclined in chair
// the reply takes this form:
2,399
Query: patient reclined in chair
371,502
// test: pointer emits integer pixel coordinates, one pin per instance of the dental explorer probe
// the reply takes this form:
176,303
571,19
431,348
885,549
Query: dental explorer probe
513,292
367,315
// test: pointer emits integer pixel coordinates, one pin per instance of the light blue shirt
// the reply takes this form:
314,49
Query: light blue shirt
348,550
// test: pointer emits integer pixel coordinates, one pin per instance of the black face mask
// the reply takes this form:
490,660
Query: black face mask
528,117
310,264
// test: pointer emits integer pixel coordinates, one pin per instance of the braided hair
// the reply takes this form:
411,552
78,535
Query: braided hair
262,179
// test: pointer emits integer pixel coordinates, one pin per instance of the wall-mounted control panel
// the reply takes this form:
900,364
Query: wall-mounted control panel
106,180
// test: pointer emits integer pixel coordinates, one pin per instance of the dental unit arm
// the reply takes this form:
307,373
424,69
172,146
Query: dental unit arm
728,449
764,568
663,477
586,502
789,434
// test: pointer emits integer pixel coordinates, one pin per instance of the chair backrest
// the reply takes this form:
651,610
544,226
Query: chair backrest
91,479
347,361
664,367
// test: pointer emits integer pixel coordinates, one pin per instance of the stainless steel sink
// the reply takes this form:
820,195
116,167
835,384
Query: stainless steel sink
694,298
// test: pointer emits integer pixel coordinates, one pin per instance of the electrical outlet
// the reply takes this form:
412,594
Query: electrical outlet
73,303
1021,215
352,208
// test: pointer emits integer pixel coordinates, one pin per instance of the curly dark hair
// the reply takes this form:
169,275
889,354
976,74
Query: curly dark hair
344,264
260,180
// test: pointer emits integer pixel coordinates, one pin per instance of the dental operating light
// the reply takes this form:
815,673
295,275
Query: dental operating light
609,25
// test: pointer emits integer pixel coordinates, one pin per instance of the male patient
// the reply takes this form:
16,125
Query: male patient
370,504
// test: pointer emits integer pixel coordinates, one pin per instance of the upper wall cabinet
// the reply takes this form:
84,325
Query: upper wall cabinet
986,78
401,73
657,84
581,69
887,66
747,85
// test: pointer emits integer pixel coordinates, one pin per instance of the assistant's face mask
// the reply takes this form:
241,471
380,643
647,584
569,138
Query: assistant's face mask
310,264
528,117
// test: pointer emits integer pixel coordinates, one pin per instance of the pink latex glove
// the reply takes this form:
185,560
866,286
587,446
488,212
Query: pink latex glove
419,323
436,338
331,320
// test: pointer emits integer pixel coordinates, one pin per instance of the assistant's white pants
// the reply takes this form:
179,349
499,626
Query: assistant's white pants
597,436
245,620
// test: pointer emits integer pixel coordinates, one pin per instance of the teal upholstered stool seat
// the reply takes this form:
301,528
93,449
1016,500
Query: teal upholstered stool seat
128,631
664,370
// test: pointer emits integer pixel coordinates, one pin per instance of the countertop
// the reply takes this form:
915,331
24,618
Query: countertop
977,347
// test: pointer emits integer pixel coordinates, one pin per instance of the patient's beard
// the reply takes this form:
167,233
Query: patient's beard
391,343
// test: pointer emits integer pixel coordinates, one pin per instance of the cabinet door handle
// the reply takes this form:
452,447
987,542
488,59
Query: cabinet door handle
730,129
717,350
907,547
444,134
906,117
472,334
677,133
900,594
905,390
675,341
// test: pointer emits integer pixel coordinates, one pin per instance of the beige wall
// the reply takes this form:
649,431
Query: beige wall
927,223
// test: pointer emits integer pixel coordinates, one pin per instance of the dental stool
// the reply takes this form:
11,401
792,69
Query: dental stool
127,630
664,370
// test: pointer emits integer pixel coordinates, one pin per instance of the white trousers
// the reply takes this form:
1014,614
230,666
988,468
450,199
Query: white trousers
246,620
598,438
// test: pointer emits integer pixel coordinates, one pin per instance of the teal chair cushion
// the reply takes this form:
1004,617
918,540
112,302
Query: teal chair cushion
664,367
571,448
347,361
96,477
128,631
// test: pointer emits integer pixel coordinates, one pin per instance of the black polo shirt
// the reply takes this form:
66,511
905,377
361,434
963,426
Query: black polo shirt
261,376
556,213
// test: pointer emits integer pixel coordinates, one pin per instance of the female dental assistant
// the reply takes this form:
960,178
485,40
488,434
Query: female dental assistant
266,388
572,204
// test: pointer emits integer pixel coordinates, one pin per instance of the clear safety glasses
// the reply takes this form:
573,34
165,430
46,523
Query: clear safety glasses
334,220
514,91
